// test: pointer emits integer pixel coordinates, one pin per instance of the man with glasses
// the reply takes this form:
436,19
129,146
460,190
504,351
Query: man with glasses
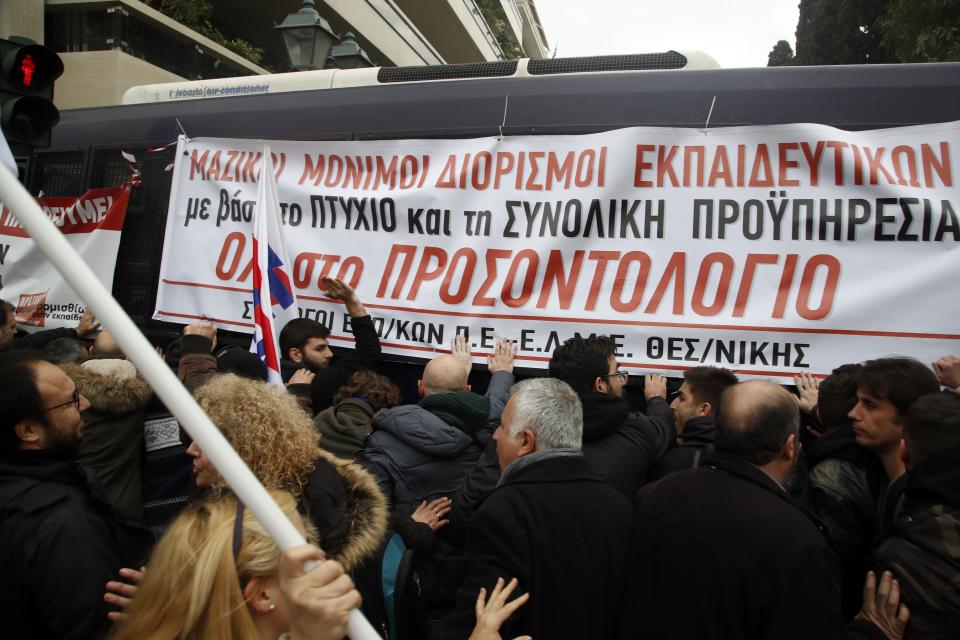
622,445
60,538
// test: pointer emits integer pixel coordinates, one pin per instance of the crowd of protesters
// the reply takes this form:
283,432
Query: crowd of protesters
547,508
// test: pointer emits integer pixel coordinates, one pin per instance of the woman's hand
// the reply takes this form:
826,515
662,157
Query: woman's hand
318,601
121,593
494,612
431,514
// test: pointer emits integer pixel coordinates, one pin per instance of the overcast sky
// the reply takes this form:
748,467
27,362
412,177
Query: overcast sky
737,33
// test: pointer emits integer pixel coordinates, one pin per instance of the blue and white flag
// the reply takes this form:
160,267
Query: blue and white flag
274,301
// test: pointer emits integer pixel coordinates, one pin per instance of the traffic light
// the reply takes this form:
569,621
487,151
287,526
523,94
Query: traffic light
27,113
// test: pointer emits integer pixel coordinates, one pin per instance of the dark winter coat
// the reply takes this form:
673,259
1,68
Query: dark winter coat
344,427
342,499
622,446
112,442
423,451
923,550
563,533
698,437
60,542
723,552
364,355
846,484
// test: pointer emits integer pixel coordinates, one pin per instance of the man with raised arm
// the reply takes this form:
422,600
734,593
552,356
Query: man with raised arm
303,345
422,451
39,339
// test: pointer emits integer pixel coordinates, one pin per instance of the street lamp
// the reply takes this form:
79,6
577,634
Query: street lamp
348,54
308,37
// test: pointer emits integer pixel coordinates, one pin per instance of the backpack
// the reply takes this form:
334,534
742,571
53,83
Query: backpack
391,590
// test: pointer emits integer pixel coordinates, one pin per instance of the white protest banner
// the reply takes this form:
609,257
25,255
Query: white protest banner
92,224
767,250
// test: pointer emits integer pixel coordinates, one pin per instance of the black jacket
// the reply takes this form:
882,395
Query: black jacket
698,436
923,550
39,339
846,484
60,542
563,533
364,355
722,551
622,447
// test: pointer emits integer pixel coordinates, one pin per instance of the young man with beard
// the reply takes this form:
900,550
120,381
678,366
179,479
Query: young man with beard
303,345
60,538
623,446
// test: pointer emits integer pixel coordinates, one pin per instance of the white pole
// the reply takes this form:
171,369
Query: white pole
76,272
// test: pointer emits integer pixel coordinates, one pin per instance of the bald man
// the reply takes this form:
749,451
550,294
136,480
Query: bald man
106,346
422,451
722,551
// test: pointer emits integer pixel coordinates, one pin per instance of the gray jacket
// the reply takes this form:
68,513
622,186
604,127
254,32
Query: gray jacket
416,456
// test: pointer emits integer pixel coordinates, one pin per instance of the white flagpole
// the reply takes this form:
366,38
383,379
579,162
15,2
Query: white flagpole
79,276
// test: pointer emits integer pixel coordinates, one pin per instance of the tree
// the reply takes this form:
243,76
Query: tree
196,14
923,30
781,55
496,19
841,32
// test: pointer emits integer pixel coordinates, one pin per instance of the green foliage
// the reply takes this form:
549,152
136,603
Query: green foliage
196,14
497,21
923,30
872,31
841,32
781,55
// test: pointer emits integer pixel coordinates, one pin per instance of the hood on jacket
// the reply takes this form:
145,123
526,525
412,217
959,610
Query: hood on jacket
699,431
418,428
366,512
108,395
603,414
349,416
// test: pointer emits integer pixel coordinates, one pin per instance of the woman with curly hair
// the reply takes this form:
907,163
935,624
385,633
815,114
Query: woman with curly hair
275,437
344,426
217,575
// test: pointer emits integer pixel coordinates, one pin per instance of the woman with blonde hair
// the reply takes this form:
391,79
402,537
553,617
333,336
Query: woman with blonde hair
275,437
217,575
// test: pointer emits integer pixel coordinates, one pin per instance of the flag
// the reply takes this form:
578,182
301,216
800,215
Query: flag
274,302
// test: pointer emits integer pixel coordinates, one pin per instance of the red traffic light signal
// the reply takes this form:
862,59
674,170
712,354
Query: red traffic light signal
27,112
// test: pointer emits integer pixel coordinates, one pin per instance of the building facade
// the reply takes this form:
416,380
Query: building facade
108,46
